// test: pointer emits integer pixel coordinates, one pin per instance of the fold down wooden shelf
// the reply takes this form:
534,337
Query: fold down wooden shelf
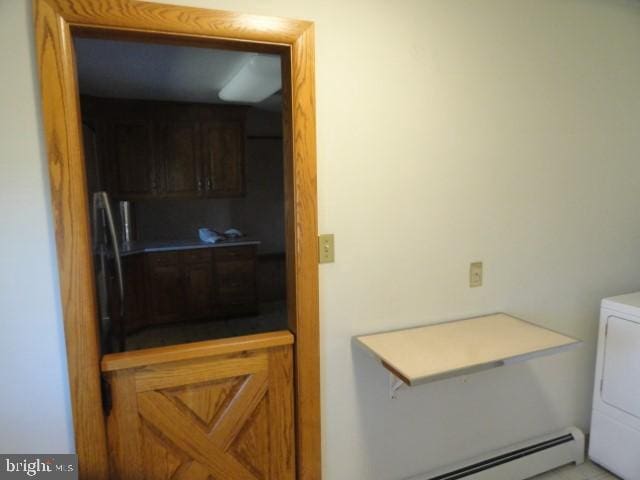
425,354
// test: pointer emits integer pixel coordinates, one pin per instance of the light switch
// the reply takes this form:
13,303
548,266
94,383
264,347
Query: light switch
475,274
326,249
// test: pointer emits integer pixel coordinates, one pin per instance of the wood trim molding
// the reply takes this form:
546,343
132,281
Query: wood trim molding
68,194
188,351
55,22
304,217
155,19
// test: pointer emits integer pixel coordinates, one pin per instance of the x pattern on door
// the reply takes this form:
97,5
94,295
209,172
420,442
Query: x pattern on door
209,419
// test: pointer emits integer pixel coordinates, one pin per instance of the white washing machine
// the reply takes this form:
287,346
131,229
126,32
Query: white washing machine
615,420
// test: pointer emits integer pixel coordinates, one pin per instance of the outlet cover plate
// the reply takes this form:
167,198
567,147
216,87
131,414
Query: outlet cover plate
475,274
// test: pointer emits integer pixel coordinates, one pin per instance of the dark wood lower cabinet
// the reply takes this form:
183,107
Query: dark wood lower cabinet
199,289
165,288
133,269
235,281
189,285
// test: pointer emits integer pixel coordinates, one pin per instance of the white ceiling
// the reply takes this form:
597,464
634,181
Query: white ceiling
108,68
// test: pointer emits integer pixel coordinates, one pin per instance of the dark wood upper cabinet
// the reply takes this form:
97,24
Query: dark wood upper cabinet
131,167
179,161
223,149
166,149
126,144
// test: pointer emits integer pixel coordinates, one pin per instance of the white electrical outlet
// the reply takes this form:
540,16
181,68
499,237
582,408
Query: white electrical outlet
475,274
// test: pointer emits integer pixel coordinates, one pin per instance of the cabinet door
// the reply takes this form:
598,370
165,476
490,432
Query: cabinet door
132,169
223,153
166,288
199,289
180,166
236,280
135,313
223,417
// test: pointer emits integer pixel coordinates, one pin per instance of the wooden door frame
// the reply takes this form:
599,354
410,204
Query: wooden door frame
55,23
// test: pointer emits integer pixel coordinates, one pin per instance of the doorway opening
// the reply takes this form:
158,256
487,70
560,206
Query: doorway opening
184,157
56,25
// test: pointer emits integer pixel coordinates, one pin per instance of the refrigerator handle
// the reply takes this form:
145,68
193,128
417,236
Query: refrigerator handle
97,201
104,199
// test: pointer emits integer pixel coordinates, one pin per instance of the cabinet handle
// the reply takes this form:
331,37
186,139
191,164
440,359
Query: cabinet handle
209,184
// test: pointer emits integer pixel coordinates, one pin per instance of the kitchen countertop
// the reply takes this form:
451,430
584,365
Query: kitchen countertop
133,248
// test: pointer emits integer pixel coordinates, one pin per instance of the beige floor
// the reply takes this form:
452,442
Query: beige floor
586,471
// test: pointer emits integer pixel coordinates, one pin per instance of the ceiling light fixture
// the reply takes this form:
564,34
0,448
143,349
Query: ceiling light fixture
259,78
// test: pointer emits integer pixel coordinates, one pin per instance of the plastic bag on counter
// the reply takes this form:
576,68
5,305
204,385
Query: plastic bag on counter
209,236
233,233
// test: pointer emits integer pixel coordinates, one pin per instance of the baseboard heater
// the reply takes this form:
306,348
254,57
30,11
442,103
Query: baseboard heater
518,462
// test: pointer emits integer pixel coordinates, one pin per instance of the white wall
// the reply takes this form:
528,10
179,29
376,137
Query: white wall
448,132
34,397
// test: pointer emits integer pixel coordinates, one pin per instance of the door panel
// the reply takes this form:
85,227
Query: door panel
135,304
200,289
622,365
219,417
242,268
133,166
166,292
223,151
180,162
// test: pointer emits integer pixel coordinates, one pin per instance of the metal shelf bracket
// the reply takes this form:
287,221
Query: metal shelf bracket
394,385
